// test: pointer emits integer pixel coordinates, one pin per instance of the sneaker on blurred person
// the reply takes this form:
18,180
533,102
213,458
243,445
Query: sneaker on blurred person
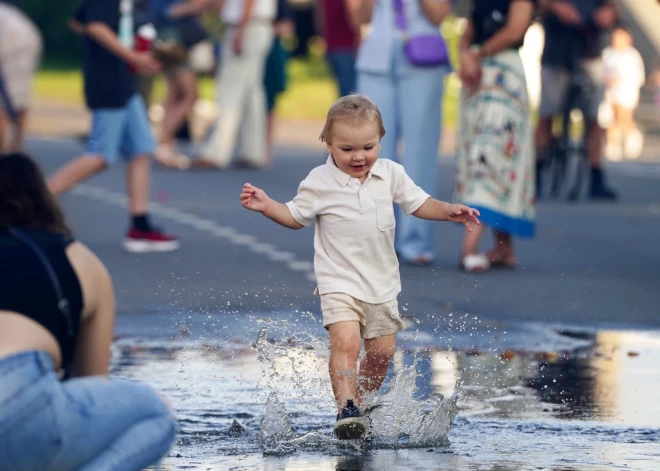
152,240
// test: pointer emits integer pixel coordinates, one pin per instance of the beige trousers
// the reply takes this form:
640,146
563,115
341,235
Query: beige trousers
241,98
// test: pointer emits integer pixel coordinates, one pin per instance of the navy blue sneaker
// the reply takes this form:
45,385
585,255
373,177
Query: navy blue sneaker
350,424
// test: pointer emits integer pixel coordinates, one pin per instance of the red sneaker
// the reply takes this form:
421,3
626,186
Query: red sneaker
150,241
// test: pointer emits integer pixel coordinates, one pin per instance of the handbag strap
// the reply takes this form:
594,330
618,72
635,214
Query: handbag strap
62,301
400,15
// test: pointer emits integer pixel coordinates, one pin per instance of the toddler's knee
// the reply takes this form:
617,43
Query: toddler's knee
346,346
382,354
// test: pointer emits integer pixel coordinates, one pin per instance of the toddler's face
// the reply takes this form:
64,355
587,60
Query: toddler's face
355,148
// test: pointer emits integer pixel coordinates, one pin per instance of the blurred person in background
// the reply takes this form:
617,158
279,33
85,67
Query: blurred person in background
176,18
574,31
57,311
407,86
275,76
339,25
120,125
20,53
240,86
624,77
496,157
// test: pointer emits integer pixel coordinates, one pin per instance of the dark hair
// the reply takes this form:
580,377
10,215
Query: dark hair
25,200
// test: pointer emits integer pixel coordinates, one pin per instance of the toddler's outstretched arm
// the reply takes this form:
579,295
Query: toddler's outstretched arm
440,211
256,199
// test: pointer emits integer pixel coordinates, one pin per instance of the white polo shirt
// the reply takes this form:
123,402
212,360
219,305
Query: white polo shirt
232,12
354,237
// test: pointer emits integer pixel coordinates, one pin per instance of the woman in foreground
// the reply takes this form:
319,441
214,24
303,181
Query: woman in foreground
57,312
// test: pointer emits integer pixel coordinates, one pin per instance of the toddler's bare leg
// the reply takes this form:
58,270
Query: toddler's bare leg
345,344
373,368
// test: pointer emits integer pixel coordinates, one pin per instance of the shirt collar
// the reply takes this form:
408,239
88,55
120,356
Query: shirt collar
343,178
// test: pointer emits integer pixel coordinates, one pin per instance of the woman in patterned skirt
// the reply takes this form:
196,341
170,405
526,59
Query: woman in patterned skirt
496,147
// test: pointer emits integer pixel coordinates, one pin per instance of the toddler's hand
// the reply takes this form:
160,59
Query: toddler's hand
254,199
463,214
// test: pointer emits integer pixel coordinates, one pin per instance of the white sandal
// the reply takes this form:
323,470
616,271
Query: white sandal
475,263
168,157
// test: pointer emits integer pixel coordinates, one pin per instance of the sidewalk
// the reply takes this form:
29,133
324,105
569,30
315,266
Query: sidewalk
54,119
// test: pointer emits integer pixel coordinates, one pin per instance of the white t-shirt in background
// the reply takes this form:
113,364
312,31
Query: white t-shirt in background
232,12
628,66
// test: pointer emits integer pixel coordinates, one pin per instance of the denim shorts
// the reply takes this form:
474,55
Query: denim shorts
125,131
91,423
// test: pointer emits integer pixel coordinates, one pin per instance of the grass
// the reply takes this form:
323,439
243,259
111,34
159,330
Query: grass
311,89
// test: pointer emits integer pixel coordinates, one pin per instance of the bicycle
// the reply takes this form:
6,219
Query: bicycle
567,160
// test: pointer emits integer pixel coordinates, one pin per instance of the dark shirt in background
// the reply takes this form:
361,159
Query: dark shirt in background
565,45
489,16
107,79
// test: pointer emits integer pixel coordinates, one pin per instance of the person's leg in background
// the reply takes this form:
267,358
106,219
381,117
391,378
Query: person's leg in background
420,102
554,85
342,63
614,135
137,147
382,90
180,100
236,86
103,150
5,131
274,84
258,38
598,189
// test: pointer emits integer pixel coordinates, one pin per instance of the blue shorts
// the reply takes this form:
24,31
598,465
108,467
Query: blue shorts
121,130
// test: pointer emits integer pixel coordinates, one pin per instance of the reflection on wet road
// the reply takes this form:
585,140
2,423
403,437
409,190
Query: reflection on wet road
591,407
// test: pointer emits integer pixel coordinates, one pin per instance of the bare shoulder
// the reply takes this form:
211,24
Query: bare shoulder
93,276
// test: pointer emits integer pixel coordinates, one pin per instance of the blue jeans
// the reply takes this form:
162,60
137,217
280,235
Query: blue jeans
124,131
89,424
410,103
343,66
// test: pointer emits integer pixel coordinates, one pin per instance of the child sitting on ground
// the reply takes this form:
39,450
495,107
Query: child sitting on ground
351,198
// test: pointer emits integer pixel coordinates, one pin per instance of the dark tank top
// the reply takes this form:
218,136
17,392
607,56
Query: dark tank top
27,287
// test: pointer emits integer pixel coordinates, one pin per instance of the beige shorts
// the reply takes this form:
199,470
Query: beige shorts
376,320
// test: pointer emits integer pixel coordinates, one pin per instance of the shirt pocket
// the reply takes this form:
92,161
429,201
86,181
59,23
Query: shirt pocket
385,214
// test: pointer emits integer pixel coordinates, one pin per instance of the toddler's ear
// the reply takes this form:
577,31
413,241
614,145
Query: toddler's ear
328,145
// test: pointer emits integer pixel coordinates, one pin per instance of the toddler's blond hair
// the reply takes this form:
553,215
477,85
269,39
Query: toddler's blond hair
352,109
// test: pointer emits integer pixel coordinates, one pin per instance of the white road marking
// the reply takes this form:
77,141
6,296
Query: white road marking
249,241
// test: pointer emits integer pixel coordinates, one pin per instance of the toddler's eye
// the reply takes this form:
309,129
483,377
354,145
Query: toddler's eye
368,147
346,149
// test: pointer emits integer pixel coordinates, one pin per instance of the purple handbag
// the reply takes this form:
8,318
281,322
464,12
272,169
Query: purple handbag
426,50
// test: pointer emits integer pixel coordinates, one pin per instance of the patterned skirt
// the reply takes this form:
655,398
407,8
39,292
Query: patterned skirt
496,154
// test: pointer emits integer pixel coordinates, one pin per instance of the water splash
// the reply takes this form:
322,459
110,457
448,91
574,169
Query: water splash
397,419
275,431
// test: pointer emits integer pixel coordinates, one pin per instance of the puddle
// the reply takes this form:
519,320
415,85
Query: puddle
526,397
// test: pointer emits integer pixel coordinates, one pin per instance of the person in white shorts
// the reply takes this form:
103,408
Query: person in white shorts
351,199
20,53
624,76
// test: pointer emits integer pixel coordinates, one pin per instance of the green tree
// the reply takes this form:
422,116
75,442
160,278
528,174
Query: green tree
61,46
